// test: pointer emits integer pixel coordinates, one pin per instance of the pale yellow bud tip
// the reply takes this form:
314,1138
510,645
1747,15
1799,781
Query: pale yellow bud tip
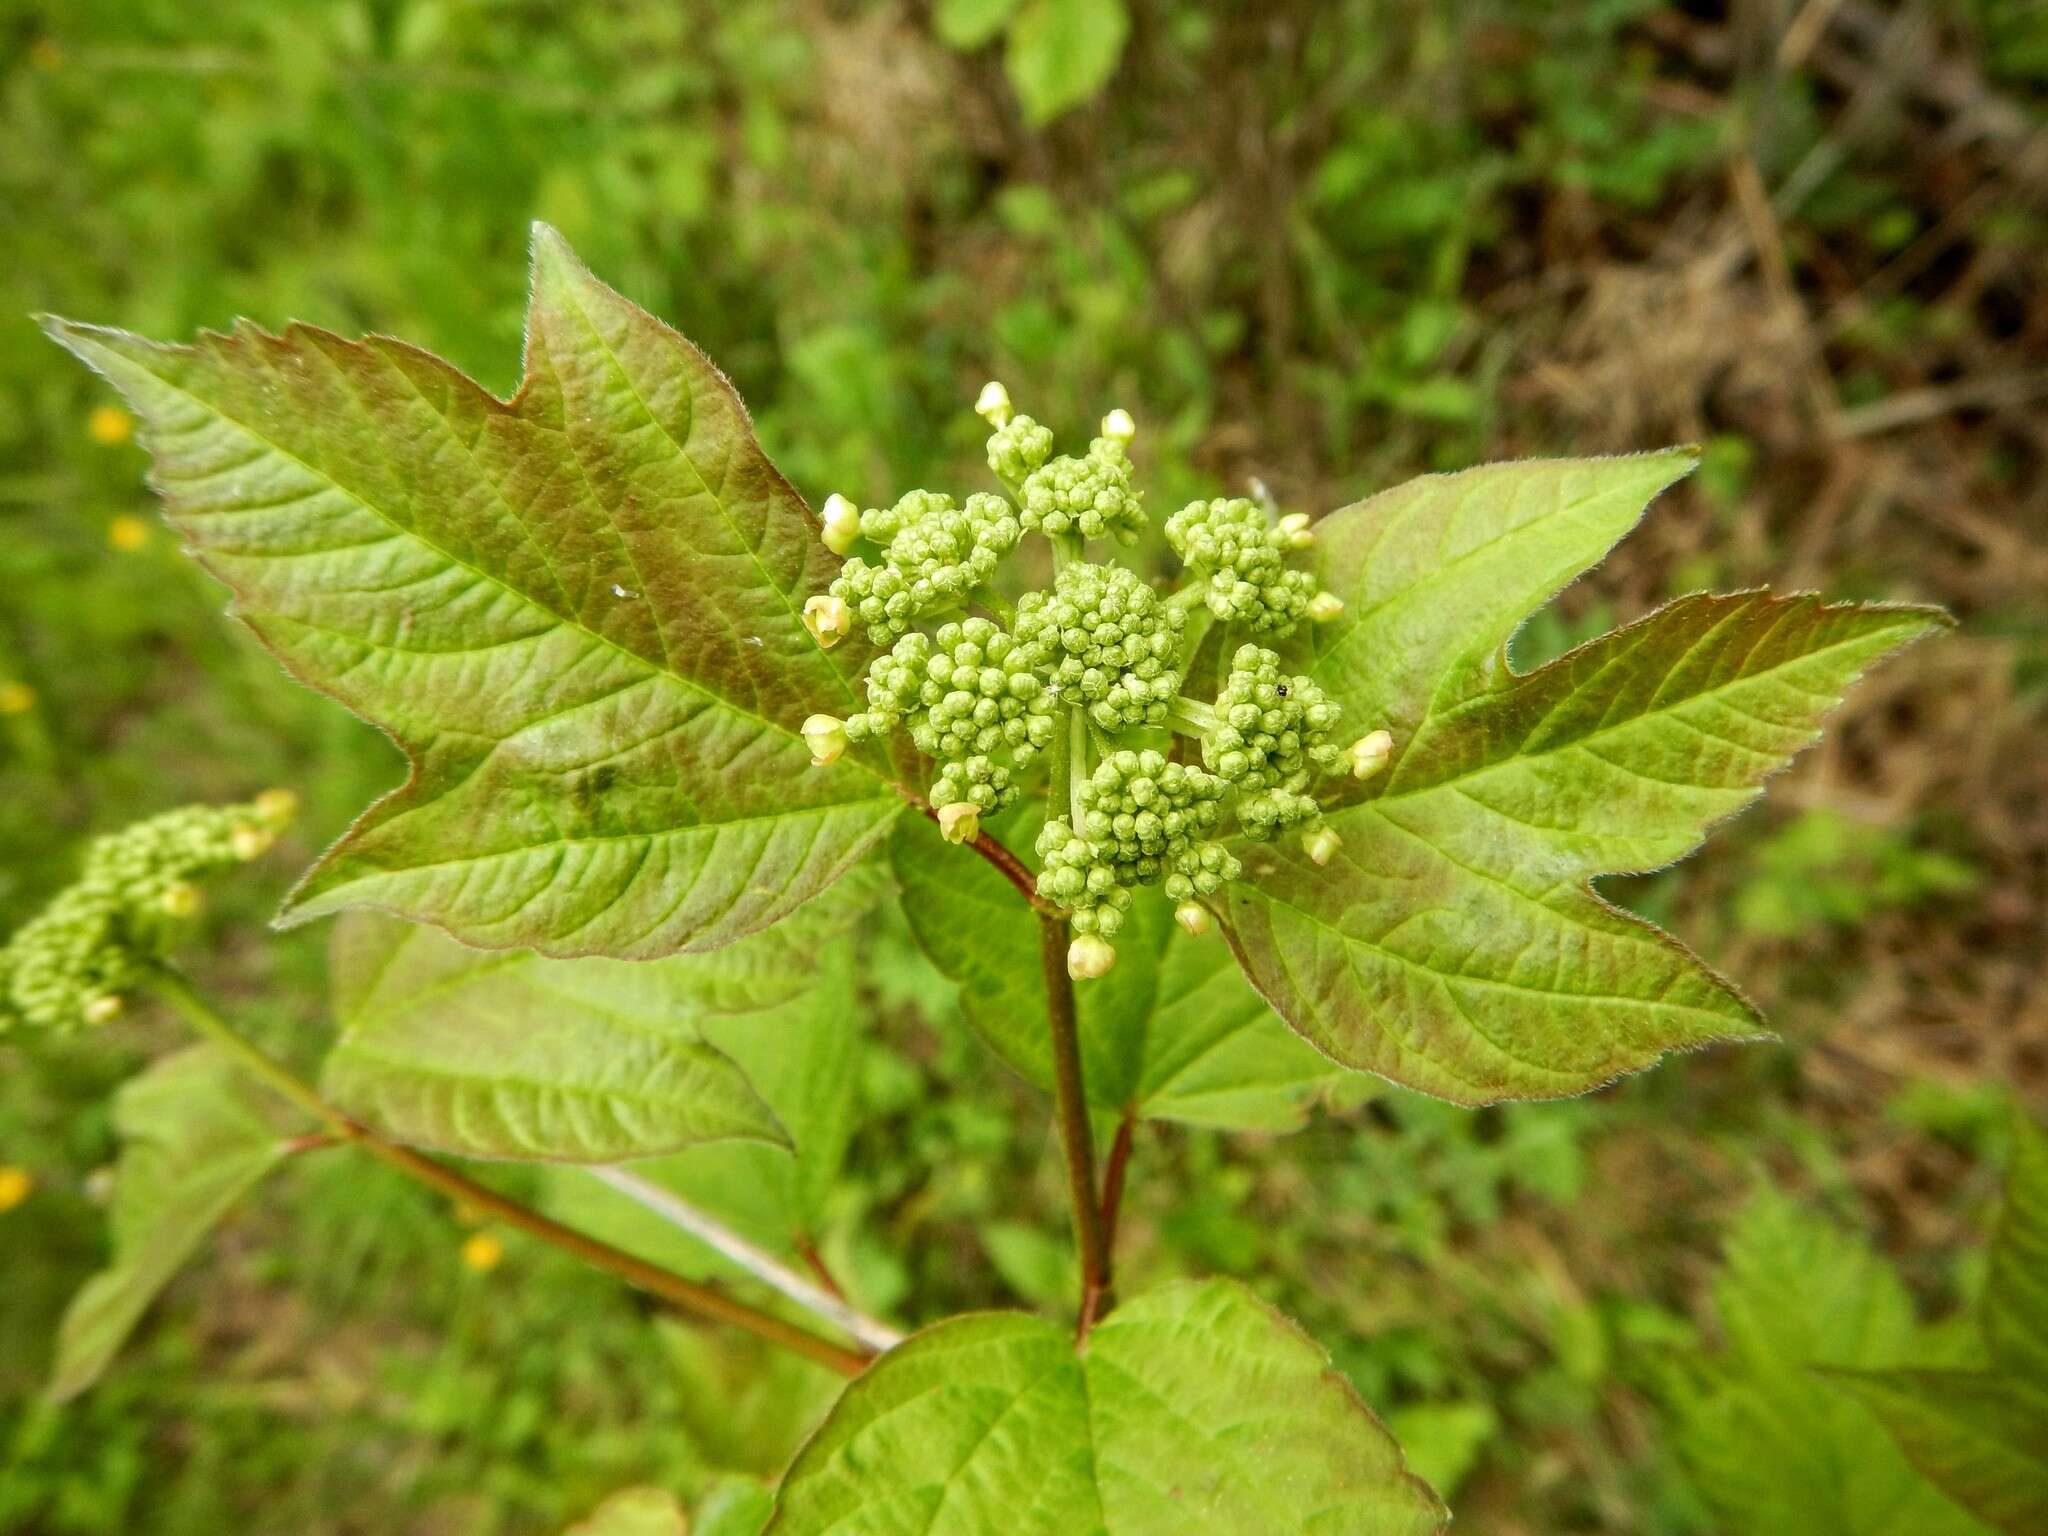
1192,916
481,1252
1321,845
1089,956
1118,427
960,822
103,1009
842,523
825,735
1325,606
180,898
1370,752
992,405
252,842
16,1185
1294,529
828,619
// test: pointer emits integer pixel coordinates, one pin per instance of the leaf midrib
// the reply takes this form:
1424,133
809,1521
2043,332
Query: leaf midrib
1628,723
683,455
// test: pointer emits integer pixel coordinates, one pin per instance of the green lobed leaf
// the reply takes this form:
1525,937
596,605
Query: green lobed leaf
1979,1436
577,611
1438,573
2016,1293
967,24
734,1507
1455,944
196,1137
1982,1436
509,1054
1194,1407
802,1058
1773,1446
1061,52
1171,1033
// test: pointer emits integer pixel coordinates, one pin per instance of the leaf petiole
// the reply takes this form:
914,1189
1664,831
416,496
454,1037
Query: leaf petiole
702,1300
1191,717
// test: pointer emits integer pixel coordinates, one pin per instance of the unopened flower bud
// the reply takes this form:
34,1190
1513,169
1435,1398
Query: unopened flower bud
960,822
1321,845
1089,956
1192,916
842,523
993,405
1369,753
1295,530
1325,606
828,619
277,807
251,842
179,899
103,1009
825,735
1118,427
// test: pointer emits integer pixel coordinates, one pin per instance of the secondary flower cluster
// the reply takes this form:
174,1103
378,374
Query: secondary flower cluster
937,556
1238,557
70,964
1107,643
1086,675
1138,819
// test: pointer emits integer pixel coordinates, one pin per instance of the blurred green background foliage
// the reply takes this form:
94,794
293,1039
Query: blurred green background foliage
1318,245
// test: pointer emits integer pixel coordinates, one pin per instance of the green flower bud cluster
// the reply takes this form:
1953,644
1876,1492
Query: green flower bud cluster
70,964
1239,558
1090,496
1097,655
936,554
979,781
1106,642
968,692
1142,820
1263,735
1017,448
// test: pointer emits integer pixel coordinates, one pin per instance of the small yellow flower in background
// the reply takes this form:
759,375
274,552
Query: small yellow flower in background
128,532
16,1185
16,698
482,1251
109,426
277,806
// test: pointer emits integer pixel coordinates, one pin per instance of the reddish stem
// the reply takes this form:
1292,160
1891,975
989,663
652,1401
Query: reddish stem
1113,1181
1012,867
